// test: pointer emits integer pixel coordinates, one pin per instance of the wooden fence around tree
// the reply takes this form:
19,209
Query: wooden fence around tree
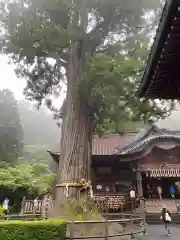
131,234
136,224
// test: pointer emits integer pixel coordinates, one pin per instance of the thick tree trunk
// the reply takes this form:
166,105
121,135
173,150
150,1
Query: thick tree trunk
76,141
75,151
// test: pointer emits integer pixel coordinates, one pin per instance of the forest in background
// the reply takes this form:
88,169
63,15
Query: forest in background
39,127
26,169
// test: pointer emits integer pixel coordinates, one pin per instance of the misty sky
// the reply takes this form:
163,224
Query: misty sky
9,80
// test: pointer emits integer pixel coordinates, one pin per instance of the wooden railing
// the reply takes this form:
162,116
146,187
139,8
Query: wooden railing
29,208
138,222
107,203
24,217
42,207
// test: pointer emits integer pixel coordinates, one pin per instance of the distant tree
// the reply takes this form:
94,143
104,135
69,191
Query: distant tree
37,154
11,134
33,177
89,39
24,179
38,126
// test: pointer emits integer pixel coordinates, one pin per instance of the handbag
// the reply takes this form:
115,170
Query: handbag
167,217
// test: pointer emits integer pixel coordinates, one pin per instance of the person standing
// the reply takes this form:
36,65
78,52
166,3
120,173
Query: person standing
172,191
166,218
133,198
6,205
177,185
149,190
159,190
35,205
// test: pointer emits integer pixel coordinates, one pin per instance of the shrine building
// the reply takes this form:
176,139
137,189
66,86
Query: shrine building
161,75
144,160
150,158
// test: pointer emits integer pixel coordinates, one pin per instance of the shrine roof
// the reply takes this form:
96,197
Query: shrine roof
105,146
113,145
154,136
161,75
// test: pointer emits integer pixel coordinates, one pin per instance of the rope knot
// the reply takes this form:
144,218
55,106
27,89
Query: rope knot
84,185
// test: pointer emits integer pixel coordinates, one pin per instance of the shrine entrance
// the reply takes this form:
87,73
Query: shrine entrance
150,187
163,177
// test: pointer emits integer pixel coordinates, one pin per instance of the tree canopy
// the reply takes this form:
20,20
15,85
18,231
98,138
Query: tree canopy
95,47
11,134
24,180
39,31
32,177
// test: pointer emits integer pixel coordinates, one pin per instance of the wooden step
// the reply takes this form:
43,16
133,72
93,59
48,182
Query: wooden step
155,206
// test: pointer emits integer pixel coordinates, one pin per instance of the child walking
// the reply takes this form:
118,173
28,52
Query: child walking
166,218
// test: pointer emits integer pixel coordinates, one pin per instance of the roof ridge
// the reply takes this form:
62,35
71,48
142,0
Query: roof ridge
148,132
115,134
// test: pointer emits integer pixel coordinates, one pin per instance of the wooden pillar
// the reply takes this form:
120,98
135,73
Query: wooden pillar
140,191
139,184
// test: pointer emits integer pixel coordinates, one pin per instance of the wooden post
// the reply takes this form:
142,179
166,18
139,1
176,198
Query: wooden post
132,236
131,221
121,207
132,204
106,230
144,216
71,230
131,226
23,205
139,184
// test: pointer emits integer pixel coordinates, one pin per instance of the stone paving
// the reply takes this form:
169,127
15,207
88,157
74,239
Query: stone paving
157,233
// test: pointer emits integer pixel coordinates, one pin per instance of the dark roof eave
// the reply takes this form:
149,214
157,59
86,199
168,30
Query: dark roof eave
146,143
55,156
156,49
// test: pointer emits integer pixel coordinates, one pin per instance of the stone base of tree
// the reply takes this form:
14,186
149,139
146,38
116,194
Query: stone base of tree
93,229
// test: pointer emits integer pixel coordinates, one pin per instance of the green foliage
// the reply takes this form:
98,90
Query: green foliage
11,134
82,210
32,177
112,82
36,154
1,211
106,38
35,230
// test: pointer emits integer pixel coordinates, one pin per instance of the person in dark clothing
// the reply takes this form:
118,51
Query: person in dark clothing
172,191
150,192
166,218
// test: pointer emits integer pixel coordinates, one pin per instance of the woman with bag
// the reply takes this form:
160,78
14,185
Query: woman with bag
166,218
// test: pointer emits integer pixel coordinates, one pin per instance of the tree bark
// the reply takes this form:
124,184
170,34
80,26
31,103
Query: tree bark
75,151
76,141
